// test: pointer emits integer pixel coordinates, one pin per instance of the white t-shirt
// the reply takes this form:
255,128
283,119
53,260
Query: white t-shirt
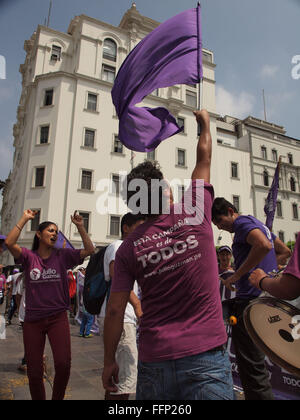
109,256
21,291
14,283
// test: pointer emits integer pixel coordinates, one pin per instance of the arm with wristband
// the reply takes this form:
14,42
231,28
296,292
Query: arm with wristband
13,236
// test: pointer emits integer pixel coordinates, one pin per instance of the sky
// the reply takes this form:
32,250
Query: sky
254,43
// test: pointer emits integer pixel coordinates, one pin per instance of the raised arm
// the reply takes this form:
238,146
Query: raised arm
87,243
13,236
204,147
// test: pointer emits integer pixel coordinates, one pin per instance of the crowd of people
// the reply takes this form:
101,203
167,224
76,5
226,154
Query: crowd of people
165,282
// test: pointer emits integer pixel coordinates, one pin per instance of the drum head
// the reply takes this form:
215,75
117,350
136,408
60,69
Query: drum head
269,324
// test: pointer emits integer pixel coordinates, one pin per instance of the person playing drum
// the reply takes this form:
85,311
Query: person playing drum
253,247
287,284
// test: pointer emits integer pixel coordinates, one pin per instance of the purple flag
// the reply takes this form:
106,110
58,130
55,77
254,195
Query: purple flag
271,203
62,241
2,244
169,55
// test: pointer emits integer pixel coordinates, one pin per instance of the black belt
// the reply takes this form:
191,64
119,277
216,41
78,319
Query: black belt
219,348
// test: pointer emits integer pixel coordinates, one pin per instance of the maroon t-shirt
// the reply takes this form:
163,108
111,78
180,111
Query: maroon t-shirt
174,261
46,281
293,266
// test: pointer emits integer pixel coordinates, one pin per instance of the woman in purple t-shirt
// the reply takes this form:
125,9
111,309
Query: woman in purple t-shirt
47,300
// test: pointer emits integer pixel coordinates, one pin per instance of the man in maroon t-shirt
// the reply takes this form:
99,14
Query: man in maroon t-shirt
173,259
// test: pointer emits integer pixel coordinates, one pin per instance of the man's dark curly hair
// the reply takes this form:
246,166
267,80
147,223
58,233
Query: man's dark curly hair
147,171
220,208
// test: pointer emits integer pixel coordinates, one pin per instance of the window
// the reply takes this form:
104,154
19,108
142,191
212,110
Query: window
266,178
281,236
44,134
180,157
92,102
108,73
181,191
39,177
48,98
89,138
264,154
86,180
110,50
234,170
279,209
290,158
114,226
86,220
295,211
118,146
36,221
274,155
116,185
293,184
236,202
206,56
180,122
151,155
191,99
55,53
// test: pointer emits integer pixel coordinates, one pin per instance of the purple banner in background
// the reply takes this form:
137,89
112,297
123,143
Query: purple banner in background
271,202
62,241
2,244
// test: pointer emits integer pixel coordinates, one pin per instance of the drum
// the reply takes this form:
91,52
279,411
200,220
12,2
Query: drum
274,326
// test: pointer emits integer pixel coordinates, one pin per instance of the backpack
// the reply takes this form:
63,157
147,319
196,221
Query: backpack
95,288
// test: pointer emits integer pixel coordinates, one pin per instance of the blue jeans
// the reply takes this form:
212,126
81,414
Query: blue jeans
205,376
86,323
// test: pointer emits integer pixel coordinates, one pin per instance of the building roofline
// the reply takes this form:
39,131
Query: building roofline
84,17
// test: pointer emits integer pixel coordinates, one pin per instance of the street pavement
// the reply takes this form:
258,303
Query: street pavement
86,370
87,363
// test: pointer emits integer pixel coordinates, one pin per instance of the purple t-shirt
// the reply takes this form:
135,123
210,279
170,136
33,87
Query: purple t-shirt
242,226
46,281
293,266
174,261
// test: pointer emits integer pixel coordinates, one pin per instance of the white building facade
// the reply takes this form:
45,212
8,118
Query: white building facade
68,156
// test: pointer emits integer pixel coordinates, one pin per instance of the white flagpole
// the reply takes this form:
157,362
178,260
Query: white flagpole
200,85
49,13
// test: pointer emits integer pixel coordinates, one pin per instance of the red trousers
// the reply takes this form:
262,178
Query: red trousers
34,334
